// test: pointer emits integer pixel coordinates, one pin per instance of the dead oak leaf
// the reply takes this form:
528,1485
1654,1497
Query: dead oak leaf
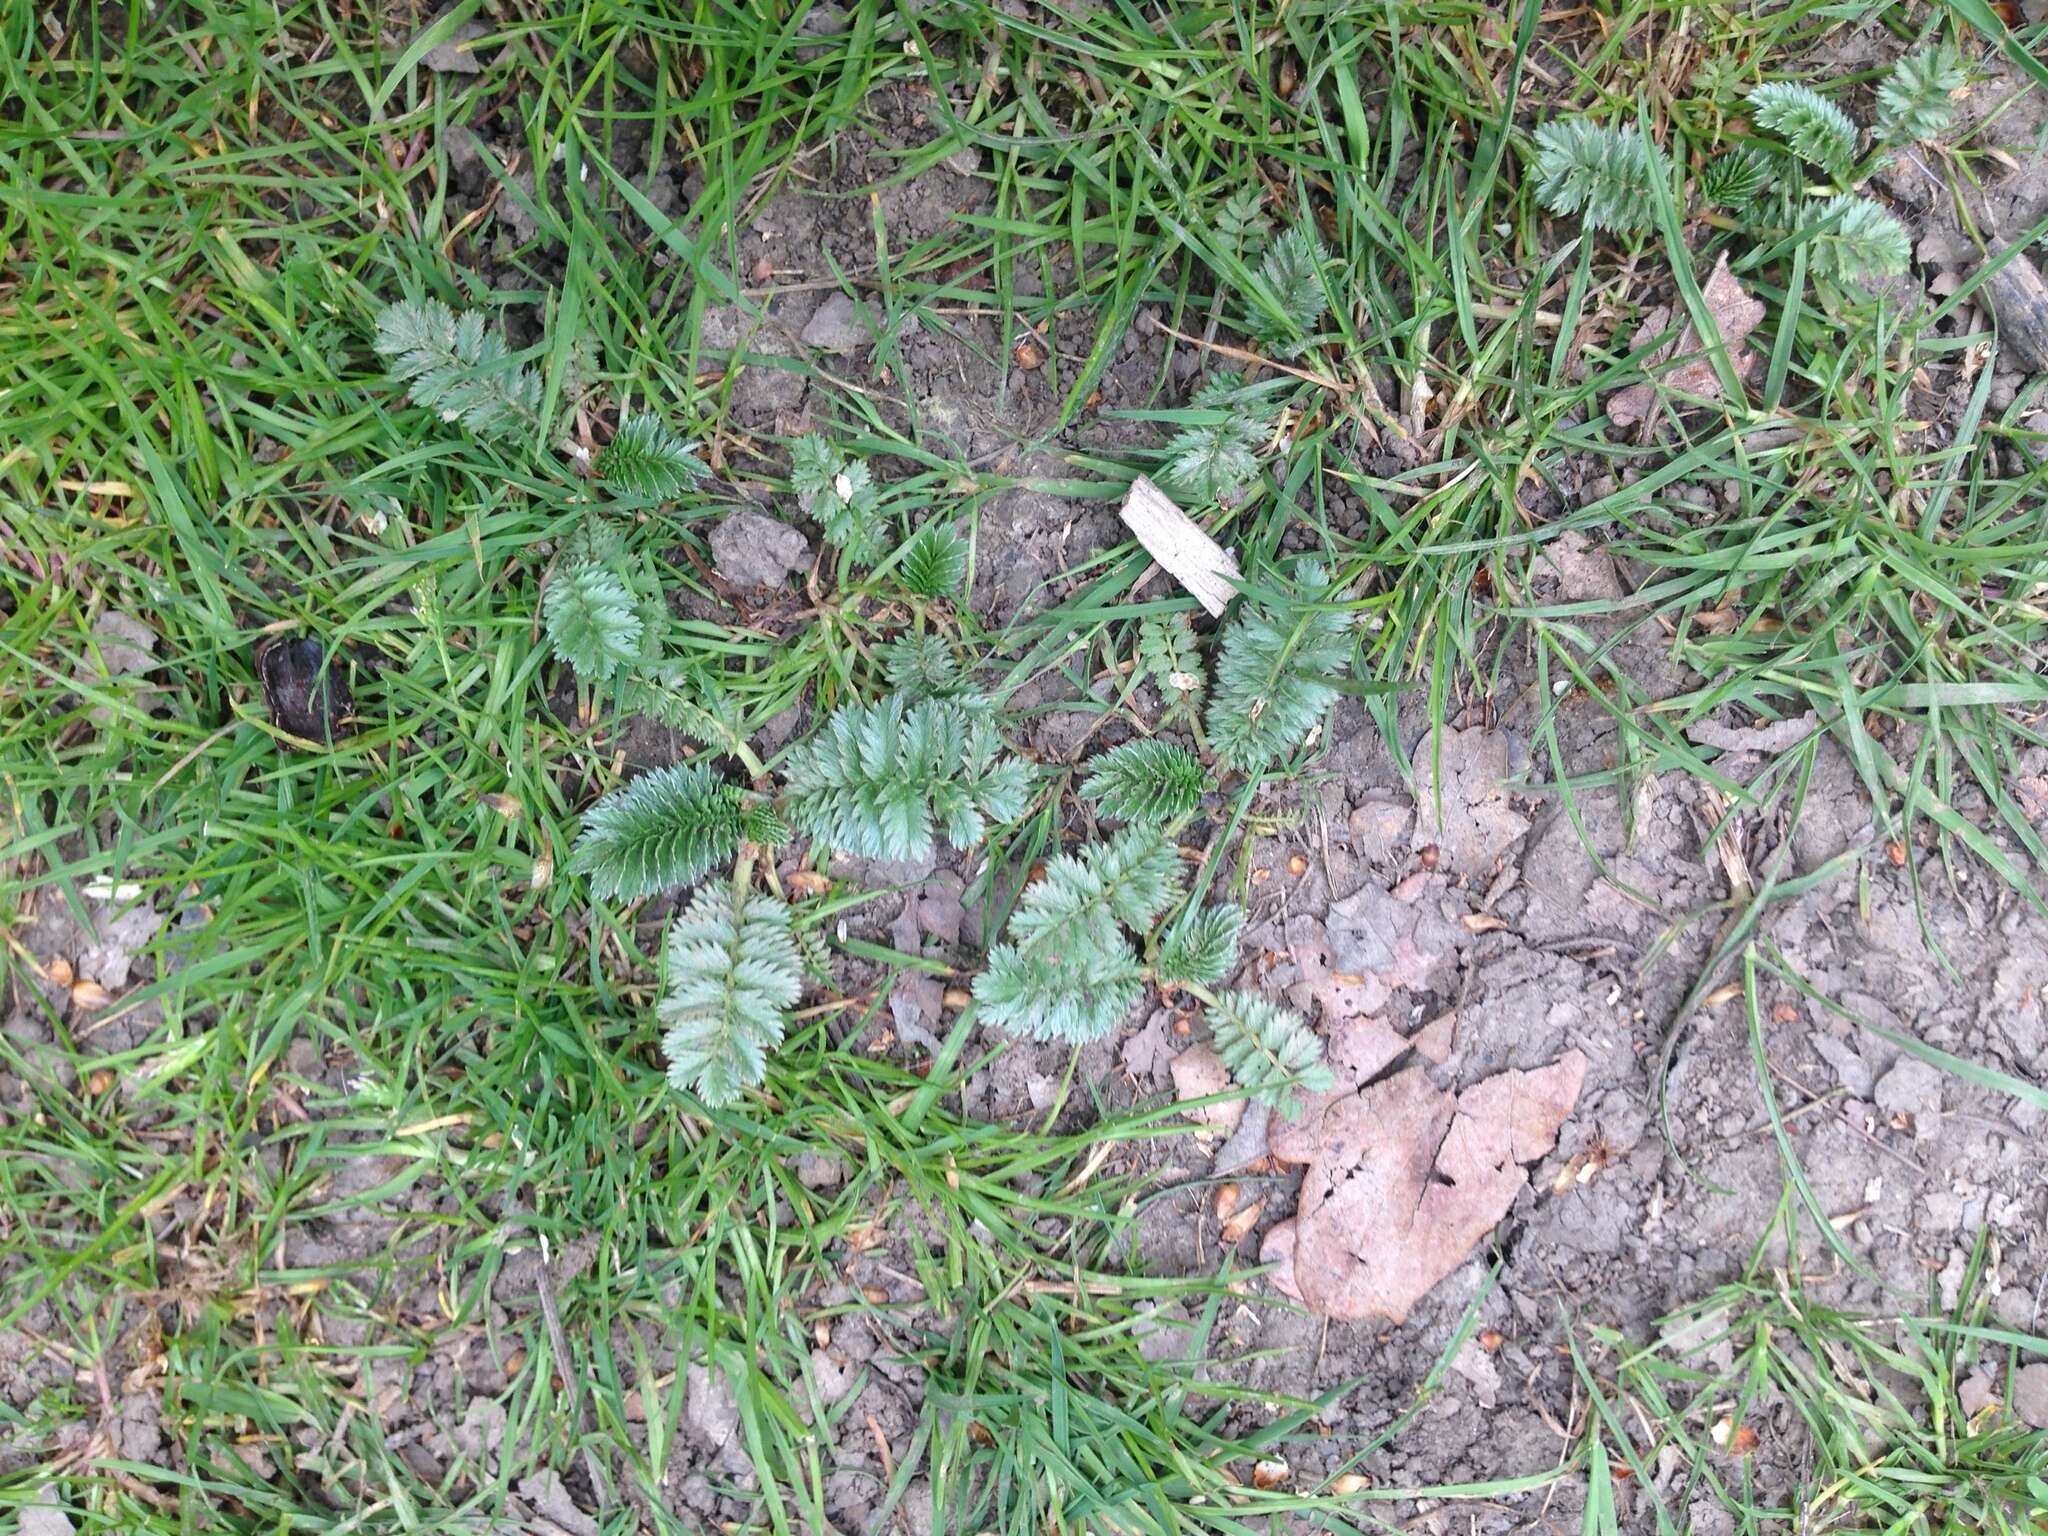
1359,1049
1198,1073
1369,946
1407,1180
1734,313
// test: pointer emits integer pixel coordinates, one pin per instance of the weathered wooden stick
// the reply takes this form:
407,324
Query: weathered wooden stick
1186,553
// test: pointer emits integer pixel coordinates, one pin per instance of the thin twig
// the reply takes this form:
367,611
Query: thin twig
1243,356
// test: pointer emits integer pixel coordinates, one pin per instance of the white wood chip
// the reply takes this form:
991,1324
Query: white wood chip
1187,554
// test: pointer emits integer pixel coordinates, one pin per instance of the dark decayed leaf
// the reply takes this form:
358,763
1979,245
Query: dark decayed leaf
303,684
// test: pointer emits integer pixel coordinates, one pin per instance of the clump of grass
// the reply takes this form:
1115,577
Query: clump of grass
1885,1441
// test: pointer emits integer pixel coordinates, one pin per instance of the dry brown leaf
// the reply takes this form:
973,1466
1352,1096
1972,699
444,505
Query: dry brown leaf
1735,314
1462,803
1434,1040
1358,1051
1406,1181
1197,1073
1278,1250
1369,946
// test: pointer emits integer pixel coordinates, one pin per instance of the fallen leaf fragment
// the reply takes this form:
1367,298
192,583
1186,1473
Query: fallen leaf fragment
1734,313
1199,1072
1462,802
1278,1251
1358,1051
1434,1040
1406,1180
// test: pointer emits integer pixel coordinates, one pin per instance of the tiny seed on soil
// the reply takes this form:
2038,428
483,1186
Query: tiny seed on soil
1896,852
1234,1230
1350,1482
88,994
59,972
1428,855
101,1080
1298,865
1490,1340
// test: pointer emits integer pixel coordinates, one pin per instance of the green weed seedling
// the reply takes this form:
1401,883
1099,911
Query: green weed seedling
924,763
1605,175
